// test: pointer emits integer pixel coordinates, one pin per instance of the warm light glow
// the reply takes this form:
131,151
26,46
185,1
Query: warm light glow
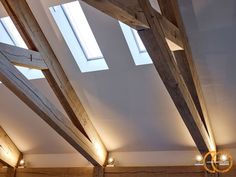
99,151
10,157
111,160
6,151
224,157
199,158
22,162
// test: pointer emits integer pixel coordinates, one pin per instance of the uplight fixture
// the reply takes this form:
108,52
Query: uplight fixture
110,162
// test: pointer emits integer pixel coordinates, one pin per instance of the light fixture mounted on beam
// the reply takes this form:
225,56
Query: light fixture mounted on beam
215,162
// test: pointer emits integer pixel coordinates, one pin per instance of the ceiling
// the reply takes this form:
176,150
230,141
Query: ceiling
128,104
211,29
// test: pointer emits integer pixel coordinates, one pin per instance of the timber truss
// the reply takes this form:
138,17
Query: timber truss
176,70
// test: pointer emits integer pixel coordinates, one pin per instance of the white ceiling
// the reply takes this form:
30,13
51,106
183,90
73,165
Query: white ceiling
211,29
129,104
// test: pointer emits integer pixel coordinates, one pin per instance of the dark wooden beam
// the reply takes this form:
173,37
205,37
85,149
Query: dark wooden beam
158,171
30,30
98,172
131,13
171,32
25,90
156,45
185,71
166,10
147,171
9,153
170,9
11,172
23,57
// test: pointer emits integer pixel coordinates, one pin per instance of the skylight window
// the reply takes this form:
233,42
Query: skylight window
139,41
85,35
79,37
11,36
12,32
136,46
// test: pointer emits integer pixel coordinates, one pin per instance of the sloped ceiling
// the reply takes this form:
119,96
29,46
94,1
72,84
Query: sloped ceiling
129,104
211,29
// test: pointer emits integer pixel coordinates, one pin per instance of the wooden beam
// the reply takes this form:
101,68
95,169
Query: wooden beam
154,171
185,71
166,10
131,13
25,90
11,172
171,32
98,172
170,9
157,171
56,172
30,30
23,57
156,45
9,153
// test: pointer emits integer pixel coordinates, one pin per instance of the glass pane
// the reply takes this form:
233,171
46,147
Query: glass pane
78,36
139,41
13,32
82,29
11,36
136,46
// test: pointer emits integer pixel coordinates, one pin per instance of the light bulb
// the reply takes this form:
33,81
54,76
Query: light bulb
111,160
223,157
199,158
22,162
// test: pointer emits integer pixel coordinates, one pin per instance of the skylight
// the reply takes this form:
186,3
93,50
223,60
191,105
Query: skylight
12,32
11,36
136,46
79,37
139,41
85,35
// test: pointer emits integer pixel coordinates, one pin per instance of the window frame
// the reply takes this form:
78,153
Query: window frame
71,39
27,72
140,57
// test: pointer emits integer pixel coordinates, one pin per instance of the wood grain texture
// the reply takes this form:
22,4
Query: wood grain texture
178,171
185,71
231,173
30,30
3,172
171,32
23,57
170,9
11,172
166,10
98,172
171,171
155,43
9,153
25,90
55,172
129,12
183,171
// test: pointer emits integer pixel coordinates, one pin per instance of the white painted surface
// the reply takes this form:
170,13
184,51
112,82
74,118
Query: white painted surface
55,160
129,104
